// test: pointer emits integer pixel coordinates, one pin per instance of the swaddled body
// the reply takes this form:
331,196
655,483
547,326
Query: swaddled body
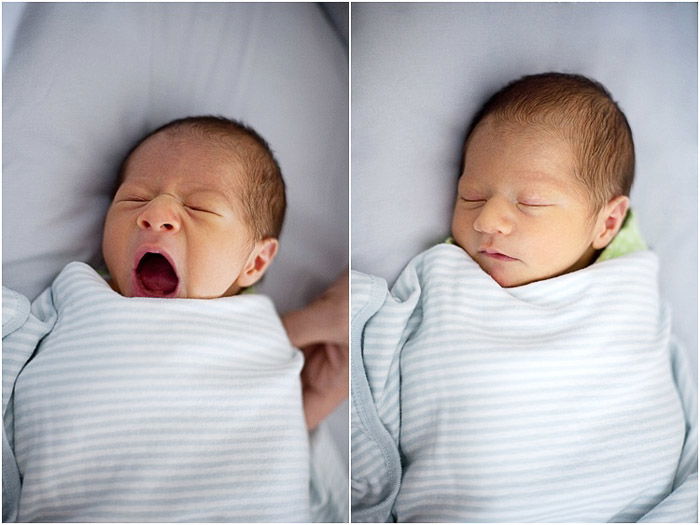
138,409
550,402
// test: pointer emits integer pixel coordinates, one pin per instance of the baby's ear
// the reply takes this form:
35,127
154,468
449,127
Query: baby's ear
262,255
610,221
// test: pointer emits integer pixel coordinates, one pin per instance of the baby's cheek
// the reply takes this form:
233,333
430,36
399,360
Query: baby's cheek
209,276
461,230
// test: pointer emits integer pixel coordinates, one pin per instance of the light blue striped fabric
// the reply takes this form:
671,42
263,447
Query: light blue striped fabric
138,409
565,400
21,333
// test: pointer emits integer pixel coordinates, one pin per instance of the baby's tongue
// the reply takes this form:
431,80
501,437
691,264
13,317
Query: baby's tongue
156,274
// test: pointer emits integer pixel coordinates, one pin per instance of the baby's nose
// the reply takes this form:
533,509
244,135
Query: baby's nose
495,217
160,215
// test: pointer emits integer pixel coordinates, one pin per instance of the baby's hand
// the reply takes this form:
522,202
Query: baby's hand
320,330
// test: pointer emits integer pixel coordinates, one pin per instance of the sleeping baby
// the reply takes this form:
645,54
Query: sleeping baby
524,371
141,400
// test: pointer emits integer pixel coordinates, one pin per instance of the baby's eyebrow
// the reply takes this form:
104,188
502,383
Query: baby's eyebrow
131,186
212,196
544,178
208,193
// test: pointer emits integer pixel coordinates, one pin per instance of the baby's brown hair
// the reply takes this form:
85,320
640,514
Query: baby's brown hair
263,189
583,111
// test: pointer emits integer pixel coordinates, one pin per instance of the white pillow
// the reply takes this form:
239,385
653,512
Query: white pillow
420,72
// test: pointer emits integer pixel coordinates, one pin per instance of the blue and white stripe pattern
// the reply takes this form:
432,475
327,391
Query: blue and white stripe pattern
140,409
22,329
564,400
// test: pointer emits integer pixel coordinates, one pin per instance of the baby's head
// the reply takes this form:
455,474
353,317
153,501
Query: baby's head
197,213
547,168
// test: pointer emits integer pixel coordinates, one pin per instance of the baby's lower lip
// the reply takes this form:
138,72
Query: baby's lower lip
499,256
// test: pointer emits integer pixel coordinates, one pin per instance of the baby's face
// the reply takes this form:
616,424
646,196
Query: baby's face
175,227
520,212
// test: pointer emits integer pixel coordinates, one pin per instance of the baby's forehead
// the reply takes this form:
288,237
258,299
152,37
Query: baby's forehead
520,144
234,146
521,179
195,160
188,144
522,154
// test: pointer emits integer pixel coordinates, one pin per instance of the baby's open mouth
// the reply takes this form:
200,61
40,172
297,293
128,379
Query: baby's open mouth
156,275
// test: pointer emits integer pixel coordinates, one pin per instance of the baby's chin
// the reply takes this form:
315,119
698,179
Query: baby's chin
511,274
505,279
512,278
506,274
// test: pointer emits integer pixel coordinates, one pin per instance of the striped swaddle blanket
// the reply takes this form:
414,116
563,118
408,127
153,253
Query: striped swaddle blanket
559,401
138,409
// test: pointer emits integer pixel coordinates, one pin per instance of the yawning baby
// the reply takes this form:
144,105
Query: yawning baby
197,214
136,400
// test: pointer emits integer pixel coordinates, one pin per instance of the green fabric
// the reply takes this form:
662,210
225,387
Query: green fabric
628,240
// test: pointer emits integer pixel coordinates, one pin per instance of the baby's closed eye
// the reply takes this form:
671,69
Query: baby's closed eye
472,198
202,208
535,199
534,203
131,199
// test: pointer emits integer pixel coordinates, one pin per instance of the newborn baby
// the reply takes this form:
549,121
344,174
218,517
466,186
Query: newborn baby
197,214
524,371
141,401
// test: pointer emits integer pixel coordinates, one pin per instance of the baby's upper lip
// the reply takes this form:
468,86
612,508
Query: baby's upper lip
153,248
